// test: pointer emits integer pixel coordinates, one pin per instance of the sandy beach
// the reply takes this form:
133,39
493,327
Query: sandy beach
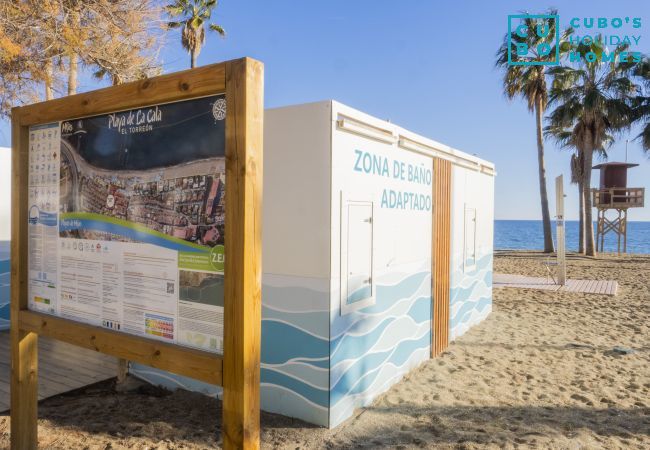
541,372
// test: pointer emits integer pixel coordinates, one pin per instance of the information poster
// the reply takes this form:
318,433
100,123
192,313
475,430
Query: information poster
126,221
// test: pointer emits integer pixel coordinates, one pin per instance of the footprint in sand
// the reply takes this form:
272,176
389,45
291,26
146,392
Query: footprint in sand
582,398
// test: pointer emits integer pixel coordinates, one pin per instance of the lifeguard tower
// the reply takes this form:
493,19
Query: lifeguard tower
613,194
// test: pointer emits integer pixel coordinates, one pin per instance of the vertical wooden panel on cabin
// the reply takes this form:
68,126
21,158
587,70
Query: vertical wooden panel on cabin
243,246
441,255
24,344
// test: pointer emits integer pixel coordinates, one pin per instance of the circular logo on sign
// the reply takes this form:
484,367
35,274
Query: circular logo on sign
219,109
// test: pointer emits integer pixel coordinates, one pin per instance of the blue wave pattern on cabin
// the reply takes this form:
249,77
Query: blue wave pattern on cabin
471,294
5,270
295,350
373,348
172,381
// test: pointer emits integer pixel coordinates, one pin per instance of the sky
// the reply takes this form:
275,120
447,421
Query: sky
425,65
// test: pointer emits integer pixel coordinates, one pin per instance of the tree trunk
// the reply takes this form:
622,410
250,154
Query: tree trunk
49,76
590,248
546,216
72,57
72,74
193,59
581,220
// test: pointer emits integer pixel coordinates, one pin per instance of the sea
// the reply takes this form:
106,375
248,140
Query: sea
528,235
514,235
508,235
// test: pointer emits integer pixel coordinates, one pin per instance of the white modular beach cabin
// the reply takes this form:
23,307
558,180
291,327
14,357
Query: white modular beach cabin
349,248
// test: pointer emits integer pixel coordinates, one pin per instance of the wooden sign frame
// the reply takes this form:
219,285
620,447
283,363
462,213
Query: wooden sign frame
238,370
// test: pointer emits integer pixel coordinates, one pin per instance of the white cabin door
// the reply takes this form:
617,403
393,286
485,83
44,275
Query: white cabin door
359,252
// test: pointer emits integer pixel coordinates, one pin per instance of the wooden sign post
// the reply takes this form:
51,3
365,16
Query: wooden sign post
238,370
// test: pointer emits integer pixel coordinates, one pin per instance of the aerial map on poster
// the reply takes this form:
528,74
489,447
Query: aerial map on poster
126,221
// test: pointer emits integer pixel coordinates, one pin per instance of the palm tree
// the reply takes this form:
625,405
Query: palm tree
642,102
529,82
565,139
577,167
194,14
593,101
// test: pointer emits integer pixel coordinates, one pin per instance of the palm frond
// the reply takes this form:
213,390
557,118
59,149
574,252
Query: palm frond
173,25
218,29
645,138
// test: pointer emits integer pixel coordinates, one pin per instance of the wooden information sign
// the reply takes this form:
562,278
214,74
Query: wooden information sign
124,240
